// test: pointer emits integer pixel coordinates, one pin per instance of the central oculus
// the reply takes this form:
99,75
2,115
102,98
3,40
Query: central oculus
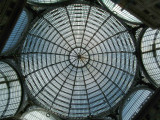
79,57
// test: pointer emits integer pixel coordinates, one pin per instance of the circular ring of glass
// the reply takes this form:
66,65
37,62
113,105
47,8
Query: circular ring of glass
81,90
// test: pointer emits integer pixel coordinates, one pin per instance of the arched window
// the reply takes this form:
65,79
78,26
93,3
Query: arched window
10,91
45,1
133,102
38,114
150,54
16,32
117,10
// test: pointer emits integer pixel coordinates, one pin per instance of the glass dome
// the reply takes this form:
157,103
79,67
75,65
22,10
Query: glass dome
16,32
78,61
10,91
150,54
133,102
38,114
117,10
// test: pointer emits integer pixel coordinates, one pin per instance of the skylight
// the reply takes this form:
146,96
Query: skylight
116,9
45,1
150,53
16,32
10,91
134,102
